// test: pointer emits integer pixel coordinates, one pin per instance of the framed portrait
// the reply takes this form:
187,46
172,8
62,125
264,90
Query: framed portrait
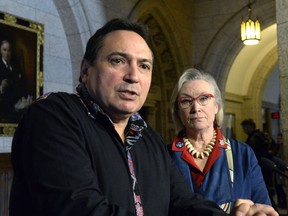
21,68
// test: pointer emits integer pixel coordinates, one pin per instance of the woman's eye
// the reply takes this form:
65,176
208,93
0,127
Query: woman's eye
187,101
203,98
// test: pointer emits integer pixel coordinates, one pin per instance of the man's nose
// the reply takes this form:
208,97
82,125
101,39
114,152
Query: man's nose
132,73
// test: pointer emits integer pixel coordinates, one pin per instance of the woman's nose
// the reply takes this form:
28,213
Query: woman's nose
195,107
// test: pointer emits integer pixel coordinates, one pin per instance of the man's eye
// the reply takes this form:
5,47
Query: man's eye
145,66
116,61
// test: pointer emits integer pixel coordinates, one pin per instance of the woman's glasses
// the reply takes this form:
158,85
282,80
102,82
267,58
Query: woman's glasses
187,101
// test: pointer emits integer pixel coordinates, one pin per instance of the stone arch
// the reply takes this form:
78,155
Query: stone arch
80,20
219,59
252,105
219,56
167,67
70,16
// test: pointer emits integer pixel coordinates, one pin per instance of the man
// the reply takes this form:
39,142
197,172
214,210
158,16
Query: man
257,141
255,138
91,153
9,84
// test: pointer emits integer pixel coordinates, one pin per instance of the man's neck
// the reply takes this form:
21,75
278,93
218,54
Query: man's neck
120,128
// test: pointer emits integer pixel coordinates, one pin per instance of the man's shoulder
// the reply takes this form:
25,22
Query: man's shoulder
56,103
1,62
259,134
55,96
56,99
3,68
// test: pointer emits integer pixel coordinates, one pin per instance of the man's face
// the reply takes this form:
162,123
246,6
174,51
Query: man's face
120,78
246,129
6,51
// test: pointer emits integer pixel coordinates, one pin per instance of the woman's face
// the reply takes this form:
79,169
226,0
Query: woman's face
197,117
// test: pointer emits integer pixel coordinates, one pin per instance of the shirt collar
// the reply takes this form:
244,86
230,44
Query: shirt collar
135,124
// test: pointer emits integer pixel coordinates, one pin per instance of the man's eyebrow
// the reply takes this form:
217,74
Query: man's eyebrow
119,53
126,55
150,61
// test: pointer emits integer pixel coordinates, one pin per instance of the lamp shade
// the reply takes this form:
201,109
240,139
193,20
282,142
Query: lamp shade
250,30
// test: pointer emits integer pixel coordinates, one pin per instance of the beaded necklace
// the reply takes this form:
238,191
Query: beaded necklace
200,154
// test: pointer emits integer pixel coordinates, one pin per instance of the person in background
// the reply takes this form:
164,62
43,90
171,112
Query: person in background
221,169
278,179
271,145
270,142
255,138
91,153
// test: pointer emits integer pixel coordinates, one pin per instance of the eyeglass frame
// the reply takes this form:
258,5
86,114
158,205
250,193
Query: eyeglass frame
209,96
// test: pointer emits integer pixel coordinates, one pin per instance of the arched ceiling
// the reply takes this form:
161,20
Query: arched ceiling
247,61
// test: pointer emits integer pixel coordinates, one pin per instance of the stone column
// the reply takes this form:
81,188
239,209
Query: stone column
282,39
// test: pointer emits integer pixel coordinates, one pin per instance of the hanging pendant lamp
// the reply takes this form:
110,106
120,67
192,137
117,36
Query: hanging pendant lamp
250,29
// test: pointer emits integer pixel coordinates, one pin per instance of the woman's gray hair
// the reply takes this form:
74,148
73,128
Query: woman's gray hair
195,74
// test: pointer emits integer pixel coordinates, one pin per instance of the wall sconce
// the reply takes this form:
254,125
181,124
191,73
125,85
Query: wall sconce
250,30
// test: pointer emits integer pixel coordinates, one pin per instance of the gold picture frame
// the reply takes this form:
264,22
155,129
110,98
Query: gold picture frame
24,39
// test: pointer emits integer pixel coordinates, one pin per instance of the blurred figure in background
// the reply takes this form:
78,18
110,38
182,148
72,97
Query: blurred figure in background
279,181
255,138
270,143
257,141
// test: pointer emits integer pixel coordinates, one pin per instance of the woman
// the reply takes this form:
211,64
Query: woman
221,169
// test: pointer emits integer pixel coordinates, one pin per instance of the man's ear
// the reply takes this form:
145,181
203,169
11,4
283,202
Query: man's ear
84,69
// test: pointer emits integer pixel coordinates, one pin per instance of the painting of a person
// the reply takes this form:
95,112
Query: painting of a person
10,86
